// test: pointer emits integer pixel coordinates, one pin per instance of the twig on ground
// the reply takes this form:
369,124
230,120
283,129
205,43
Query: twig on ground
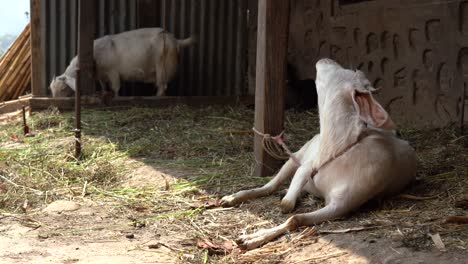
417,198
456,219
437,241
354,229
83,192
323,257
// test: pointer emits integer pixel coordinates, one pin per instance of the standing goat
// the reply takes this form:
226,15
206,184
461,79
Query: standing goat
149,55
355,158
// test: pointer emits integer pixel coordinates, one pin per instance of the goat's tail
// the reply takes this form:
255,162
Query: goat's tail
166,61
187,42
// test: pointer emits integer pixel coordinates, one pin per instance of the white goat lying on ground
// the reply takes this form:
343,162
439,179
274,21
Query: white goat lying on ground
356,157
148,54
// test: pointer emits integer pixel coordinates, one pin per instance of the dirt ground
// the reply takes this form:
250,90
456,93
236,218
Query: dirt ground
87,231
162,213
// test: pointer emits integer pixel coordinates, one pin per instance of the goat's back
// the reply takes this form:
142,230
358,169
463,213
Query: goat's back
133,54
379,165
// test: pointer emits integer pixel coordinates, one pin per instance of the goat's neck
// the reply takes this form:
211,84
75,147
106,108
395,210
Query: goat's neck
340,127
70,71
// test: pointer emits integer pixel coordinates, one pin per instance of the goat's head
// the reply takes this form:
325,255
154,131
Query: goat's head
62,86
340,89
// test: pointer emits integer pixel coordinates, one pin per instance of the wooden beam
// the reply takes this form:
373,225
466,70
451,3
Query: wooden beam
14,105
36,49
65,104
272,45
14,114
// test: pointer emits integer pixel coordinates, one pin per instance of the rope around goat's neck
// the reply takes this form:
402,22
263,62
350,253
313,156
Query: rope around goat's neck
275,146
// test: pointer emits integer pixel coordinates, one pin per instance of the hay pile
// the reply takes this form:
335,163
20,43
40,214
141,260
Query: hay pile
15,67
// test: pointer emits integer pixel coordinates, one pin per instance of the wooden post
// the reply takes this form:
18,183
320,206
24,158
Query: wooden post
272,42
86,27
85,71
36,50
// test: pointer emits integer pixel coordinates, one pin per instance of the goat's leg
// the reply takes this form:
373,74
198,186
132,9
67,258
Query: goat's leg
332,210
285,173
300,179
155,90
162,89
115,83
102,85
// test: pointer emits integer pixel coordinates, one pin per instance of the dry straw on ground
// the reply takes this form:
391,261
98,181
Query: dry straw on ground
204,154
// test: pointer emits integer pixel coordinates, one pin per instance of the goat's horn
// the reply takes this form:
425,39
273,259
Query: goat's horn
375,90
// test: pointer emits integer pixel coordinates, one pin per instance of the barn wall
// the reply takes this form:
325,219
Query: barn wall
415,50
216,66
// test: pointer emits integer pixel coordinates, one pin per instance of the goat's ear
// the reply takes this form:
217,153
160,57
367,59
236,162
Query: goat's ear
370,111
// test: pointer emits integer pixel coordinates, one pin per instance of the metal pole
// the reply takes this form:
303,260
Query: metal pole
85,80
25,126
78,116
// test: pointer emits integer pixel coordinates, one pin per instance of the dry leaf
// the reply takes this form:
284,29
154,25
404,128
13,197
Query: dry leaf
207,205
141,208
190,257
215,248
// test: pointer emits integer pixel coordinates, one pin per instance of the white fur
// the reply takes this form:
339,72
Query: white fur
148,54
379,165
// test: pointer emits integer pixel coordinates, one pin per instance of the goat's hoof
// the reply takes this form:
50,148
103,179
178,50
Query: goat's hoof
228,201
248,242
287,206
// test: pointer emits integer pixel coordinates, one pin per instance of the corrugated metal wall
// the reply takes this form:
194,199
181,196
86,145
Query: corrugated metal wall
215,66
58,22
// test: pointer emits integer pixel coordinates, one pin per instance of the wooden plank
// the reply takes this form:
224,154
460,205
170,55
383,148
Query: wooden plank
15,105
10,60
13,115
24,83
67,104
16,69
272,41
10,53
